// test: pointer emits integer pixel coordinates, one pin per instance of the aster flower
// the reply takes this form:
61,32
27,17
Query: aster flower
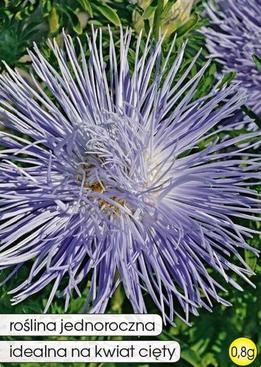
102,180
233,38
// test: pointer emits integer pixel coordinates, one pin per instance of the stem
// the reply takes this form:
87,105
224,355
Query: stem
157,18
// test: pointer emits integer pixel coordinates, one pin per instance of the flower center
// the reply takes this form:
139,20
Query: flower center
99,192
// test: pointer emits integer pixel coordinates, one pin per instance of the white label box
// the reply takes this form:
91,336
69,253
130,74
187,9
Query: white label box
80,324
89,351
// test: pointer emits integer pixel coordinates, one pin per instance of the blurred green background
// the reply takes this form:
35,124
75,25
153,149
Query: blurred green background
205,343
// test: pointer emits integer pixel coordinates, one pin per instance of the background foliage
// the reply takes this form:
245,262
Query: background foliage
22,22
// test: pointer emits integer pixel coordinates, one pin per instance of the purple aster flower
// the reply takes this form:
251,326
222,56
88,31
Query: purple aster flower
102,179
233,38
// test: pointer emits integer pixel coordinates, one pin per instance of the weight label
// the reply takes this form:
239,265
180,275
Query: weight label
242,351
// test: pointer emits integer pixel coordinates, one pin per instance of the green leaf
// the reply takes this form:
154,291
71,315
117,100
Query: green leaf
257,61
117,300
227,78
77,27
150,9
147,26
251,114
191,357
188,26
95,22
86,7
157,18
209,359
213,69
53,20
108,12
206,83
25,12
167,8
15,4
251,259
46,7
135,7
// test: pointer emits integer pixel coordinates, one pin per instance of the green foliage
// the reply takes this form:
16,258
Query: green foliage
257,61
66,12
23,22
227,79
158,17
251,114
16,32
